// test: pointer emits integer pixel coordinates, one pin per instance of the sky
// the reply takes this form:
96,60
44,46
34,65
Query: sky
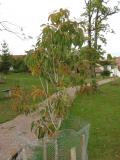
31,14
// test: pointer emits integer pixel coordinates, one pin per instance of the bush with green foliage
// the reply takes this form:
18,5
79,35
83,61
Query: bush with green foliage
106,73
19,65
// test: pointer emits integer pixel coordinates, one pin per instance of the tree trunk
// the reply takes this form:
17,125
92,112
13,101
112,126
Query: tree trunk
89,24
96,30
96,36
92,68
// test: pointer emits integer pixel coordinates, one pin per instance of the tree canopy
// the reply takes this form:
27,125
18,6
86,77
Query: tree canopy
55,44
95,16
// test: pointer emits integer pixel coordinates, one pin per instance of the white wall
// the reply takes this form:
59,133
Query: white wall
114,71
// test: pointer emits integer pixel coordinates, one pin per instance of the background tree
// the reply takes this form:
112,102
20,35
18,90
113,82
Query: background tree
109,57
95,19
95,16
92,56
5,58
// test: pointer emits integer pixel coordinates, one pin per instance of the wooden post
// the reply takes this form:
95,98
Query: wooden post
24,154
83,147
44,149
56,150
73,153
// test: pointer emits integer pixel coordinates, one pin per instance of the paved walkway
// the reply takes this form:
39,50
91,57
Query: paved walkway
17,133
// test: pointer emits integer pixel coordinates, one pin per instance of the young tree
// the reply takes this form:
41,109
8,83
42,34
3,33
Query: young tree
5,58
49,60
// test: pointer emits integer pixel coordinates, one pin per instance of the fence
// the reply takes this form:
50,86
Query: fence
67,144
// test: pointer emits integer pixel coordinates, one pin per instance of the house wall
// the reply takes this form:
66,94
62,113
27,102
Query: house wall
114,71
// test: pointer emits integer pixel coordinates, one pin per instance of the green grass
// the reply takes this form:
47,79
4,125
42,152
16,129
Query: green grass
26,81
23,79
102,111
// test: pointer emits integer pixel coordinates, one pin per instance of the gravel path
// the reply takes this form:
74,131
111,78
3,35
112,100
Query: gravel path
17,133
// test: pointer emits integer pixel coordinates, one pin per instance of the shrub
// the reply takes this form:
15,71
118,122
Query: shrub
106,73
19,64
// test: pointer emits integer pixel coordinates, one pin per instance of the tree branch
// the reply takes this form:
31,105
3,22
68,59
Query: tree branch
19,34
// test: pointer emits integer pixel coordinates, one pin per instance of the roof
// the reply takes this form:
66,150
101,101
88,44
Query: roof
19,56
98,70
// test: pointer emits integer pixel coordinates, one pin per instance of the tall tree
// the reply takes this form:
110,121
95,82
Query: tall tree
95,19
96,15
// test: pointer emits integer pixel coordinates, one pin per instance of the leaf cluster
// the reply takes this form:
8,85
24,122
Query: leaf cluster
51,116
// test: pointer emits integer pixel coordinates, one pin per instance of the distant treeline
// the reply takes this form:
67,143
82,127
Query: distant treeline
13,63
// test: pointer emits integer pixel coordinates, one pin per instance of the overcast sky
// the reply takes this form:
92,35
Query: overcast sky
30,14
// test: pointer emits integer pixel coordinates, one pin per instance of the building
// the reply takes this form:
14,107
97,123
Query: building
115,69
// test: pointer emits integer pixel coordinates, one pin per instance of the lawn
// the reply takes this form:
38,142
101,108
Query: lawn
102,111
26,81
